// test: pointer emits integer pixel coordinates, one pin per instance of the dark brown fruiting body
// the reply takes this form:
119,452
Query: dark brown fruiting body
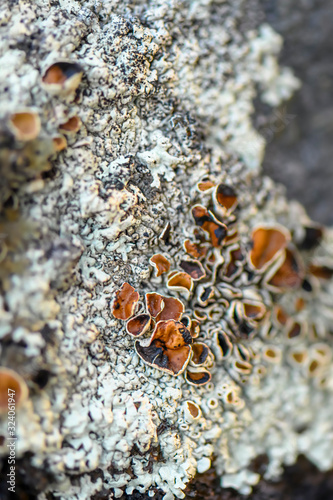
124,304
267,244
62,77
25,125
12,386
169,348
206,220
160,263
72,125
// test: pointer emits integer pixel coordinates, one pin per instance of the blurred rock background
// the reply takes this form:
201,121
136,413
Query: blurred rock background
301,154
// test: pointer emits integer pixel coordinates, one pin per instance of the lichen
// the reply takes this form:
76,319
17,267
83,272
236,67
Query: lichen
149,112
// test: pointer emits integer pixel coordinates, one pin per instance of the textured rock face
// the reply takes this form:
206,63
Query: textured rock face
125,131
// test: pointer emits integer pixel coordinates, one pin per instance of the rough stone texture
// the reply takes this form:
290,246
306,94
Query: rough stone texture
165,101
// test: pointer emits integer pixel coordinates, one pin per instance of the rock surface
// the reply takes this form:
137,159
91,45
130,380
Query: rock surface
126,133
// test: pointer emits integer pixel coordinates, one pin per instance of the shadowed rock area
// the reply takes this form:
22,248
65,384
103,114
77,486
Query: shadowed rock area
101,421
301,481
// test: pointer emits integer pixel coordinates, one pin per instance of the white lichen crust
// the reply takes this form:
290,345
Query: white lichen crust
161,95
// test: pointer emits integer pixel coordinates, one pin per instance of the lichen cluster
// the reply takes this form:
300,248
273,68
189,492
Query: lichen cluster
129,163
231,284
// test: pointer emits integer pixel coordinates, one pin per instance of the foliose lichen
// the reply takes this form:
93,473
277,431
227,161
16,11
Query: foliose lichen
131,191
